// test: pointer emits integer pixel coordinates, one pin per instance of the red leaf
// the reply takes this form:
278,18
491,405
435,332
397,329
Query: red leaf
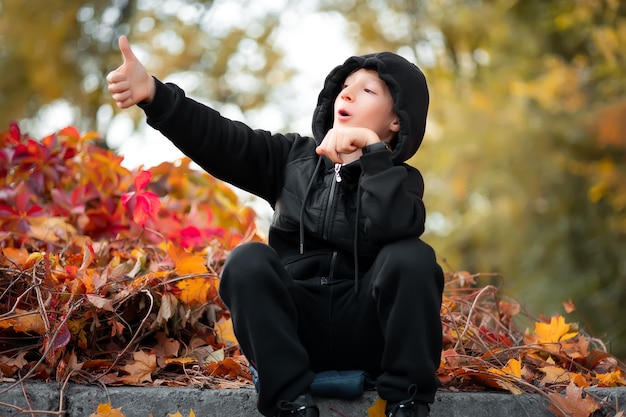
142,180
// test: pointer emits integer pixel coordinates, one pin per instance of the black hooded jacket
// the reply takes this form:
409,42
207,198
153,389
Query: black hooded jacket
321,227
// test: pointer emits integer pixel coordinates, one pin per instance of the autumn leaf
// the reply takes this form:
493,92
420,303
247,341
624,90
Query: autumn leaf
105,410
178,414
51,229
24,321
513,368
555,331
141,369
10,365
226,332
187,263
611,379
378,409
554,375
573,403
144,205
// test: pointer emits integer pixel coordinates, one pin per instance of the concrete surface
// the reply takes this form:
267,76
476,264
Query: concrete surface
81,401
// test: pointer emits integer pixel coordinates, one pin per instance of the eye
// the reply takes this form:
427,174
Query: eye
368,90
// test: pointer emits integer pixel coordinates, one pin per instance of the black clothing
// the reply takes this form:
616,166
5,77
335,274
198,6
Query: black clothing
329,271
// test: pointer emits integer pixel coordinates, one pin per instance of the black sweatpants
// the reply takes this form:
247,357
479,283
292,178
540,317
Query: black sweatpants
290,329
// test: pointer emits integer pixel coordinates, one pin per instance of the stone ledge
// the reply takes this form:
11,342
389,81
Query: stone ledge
81,401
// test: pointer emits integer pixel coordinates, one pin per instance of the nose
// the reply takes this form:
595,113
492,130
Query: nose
346,94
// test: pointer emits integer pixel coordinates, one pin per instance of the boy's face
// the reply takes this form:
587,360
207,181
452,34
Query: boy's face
365,101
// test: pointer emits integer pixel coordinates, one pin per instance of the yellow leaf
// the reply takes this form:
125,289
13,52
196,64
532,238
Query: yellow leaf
554,374
555,331
378,409
513,367
105,410
226,332
50,229
611,379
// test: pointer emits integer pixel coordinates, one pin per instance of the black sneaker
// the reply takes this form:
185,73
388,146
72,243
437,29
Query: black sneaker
302,406
408,407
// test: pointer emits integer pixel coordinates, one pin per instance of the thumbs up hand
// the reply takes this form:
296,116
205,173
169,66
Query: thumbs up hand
130,83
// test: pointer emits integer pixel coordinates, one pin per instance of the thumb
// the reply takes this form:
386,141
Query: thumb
127,53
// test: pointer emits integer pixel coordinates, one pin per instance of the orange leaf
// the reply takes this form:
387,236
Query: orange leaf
24,321
178,414
611,379
196,290
141,369
569,306
555,331
378,409
573,404
105,410
187,263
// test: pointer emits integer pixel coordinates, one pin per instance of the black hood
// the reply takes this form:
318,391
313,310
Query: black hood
407,85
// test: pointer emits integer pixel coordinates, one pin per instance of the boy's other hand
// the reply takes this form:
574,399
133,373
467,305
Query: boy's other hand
130,83
342,145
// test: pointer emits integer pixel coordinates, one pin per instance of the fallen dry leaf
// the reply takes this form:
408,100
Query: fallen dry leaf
573,403
141,369
105,410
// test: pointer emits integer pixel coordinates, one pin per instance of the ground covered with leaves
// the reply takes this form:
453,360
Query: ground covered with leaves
110,276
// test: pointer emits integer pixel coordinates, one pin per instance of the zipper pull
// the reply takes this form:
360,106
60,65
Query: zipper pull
337,174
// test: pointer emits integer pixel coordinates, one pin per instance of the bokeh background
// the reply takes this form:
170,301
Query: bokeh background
525,151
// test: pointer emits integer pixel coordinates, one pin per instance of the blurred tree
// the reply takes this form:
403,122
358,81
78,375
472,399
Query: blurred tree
524,156
63,49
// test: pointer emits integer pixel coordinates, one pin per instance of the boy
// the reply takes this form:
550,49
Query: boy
345,282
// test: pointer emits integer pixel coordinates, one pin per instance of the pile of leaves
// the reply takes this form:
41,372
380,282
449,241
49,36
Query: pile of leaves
111,276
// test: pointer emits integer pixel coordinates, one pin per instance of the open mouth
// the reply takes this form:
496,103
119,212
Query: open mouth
343,113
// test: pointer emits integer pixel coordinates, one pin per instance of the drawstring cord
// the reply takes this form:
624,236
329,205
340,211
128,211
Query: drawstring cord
306,196
356,238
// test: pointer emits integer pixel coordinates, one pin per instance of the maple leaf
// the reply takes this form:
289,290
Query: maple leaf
573,404
141,369
555,331
105,410
8,366
554,375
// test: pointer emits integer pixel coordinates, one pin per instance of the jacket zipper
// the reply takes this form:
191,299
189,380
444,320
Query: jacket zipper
331,272
329,205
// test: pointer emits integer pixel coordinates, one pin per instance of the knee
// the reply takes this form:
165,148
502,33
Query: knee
247,260
405,260
409,255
